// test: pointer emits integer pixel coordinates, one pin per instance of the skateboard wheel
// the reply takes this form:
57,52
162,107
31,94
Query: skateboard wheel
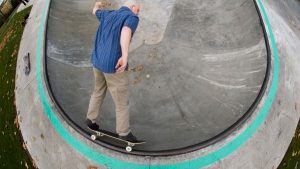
93,137
128,149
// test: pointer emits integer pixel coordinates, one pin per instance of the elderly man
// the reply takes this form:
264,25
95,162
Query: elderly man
109,59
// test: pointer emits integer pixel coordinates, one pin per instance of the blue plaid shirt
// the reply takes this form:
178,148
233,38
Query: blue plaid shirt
107,49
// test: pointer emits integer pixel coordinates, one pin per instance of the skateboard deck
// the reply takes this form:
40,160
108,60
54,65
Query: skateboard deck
27,64
103,133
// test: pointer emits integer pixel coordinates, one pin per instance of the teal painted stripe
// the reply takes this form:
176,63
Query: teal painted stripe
200,162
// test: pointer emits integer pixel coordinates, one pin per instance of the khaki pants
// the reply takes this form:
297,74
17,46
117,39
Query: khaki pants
117,84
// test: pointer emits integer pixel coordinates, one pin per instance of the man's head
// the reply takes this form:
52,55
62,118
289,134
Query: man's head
133,5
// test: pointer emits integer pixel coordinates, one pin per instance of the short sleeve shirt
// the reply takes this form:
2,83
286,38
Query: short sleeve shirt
107,48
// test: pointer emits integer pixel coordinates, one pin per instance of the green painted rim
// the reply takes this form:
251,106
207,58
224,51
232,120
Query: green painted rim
200,162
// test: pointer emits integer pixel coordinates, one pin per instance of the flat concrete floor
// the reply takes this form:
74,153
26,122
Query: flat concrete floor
206,60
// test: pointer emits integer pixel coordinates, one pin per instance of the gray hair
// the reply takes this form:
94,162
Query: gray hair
132,2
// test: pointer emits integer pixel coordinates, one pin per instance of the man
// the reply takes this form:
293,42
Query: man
109,59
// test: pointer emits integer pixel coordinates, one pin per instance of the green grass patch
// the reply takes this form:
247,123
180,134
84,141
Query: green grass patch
292,157
12,152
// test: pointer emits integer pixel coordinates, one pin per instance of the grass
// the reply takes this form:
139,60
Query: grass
12,152
292,157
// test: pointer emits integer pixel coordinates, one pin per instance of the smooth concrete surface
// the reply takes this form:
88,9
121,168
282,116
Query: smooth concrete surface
205,73
263,150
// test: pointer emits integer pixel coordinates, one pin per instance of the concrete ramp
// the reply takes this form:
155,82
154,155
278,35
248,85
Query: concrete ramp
213,84
206,60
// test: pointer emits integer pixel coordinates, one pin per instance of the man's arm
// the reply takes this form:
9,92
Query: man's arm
125,39
99,5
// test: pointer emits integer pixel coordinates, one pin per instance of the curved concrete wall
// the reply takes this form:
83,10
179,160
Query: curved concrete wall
205,74
260,142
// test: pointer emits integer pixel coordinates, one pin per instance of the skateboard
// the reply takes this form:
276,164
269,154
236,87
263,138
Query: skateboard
27,64
104,133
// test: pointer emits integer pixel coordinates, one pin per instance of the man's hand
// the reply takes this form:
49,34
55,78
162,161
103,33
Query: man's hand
121,65
100,5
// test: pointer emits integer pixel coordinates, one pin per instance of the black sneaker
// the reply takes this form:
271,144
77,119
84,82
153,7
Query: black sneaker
91,125
130,137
